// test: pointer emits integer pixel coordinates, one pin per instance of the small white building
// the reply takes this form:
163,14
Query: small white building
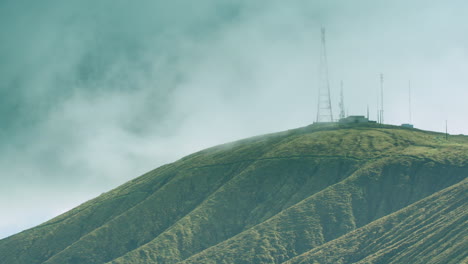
354,119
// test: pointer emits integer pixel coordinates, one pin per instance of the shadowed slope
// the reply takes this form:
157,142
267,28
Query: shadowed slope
264,199
434,230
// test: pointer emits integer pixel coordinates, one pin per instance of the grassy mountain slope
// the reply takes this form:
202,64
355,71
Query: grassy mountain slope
264,199
375,190
425,232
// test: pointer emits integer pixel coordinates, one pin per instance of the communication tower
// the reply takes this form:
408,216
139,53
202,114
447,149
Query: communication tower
324,107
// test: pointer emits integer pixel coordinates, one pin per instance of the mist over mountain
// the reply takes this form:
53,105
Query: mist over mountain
93,93
358,193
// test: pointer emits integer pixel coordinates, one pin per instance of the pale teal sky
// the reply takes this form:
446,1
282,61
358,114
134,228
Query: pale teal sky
94,93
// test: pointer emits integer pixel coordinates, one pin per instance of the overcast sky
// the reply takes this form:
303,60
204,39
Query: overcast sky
95,93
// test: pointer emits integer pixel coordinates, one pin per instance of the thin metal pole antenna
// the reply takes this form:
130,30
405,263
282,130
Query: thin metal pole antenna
377,107
342,109
381,98
446,130
409,101
324,107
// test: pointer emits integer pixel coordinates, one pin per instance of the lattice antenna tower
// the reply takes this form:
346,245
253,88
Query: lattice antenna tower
342,108
324,106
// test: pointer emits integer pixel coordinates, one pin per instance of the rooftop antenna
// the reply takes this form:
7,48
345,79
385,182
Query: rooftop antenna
342,109
324,108
409,101
381,98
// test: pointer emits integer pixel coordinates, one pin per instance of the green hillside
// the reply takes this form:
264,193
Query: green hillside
266,199
430,231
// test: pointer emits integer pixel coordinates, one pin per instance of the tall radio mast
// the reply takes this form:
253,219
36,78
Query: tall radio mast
324,107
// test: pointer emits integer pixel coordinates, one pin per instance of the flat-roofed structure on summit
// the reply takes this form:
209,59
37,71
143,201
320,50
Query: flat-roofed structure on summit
354,119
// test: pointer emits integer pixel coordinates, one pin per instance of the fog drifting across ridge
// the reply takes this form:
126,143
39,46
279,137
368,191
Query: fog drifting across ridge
96,93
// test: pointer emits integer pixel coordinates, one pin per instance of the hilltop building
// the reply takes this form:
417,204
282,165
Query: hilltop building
357,119
407,125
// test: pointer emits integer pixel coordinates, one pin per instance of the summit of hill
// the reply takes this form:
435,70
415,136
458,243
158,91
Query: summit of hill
325,193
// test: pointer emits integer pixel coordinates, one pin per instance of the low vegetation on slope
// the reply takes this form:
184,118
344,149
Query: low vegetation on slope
265,199
430,231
